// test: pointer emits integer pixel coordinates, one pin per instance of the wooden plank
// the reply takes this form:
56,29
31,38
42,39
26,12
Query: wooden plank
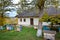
49,35
50,32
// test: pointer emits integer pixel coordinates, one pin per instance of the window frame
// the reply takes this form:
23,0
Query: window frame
20,19
24,20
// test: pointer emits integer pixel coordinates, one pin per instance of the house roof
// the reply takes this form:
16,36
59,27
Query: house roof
53,11
28,14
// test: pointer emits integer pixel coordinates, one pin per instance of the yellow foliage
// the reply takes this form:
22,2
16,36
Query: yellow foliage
10,20
44,17
1,21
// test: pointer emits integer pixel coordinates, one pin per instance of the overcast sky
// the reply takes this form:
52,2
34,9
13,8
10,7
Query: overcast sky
12,13
15,1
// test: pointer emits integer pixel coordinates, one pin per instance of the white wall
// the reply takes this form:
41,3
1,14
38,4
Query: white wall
46,23
35,20
24,23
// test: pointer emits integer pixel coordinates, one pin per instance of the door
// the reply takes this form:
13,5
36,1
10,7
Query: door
31,21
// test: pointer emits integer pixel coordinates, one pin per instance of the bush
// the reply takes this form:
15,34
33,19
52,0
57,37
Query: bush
55,29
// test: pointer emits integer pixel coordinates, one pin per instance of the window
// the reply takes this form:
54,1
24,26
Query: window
21,19
24,20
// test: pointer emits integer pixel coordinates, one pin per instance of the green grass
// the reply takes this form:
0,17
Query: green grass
58,36
25,34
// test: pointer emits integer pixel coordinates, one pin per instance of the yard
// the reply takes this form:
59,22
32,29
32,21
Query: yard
58,36
25,34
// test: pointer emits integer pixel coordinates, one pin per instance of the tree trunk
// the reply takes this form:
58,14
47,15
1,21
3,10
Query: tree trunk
39,31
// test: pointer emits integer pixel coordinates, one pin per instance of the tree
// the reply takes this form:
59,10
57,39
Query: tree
3,4
40,6
45,17
54,3
26,5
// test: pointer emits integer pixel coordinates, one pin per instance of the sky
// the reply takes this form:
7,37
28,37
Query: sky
15,1
12,13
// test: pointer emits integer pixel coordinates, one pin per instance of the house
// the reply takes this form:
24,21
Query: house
27,18
52,11
32,18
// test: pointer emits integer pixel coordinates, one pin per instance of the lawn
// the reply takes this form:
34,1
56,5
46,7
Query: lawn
58,36
25,34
